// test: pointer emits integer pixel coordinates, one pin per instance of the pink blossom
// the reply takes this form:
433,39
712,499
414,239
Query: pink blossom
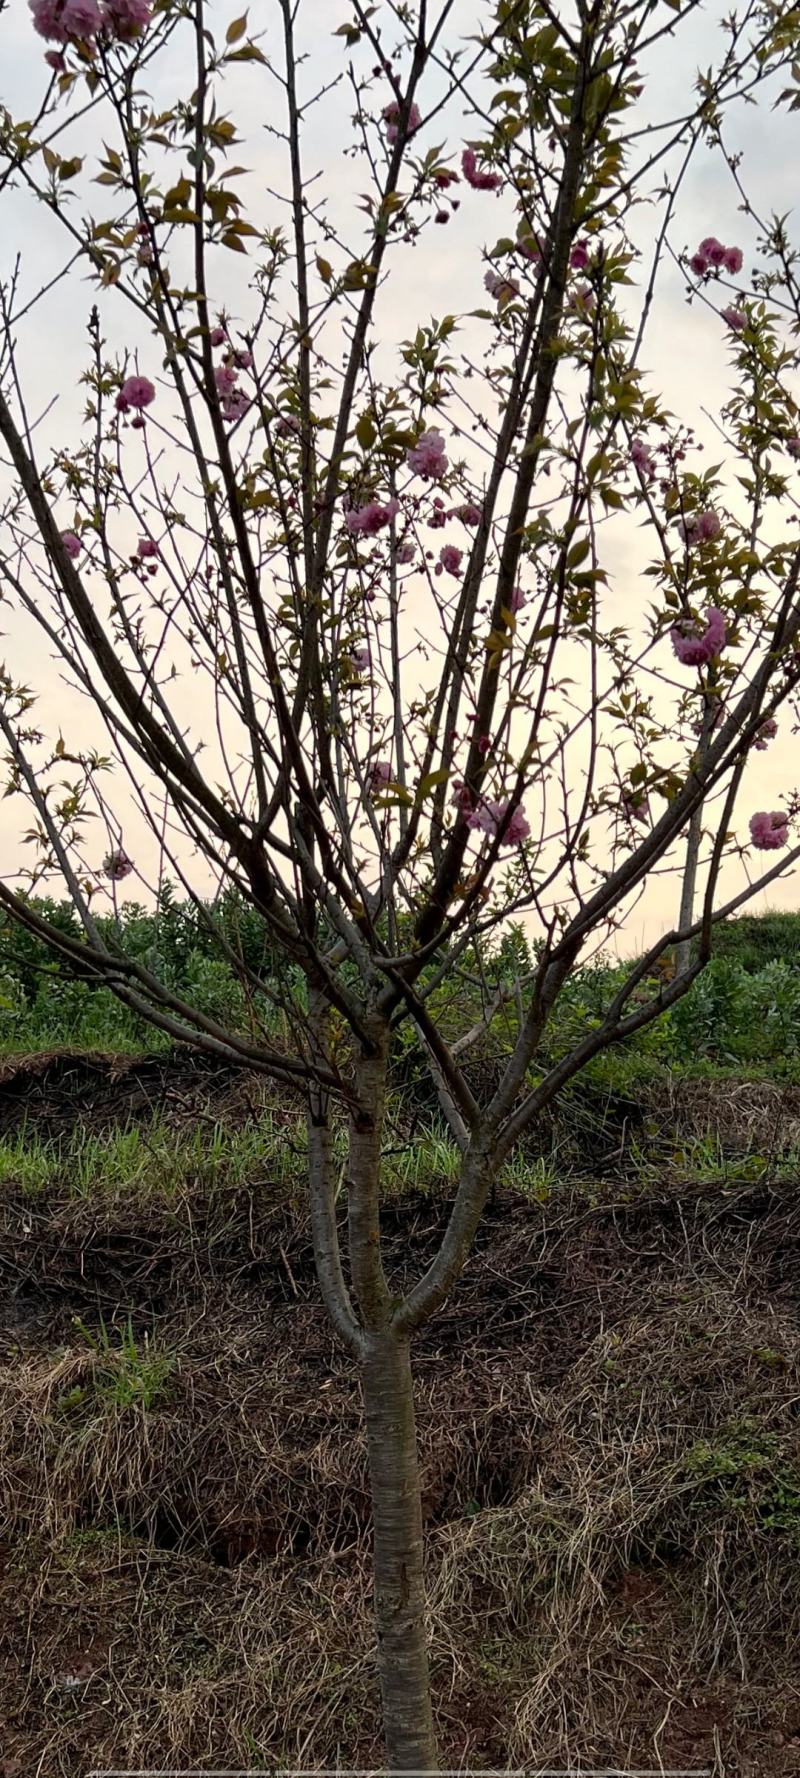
765,734
438,517
72,544
579,257
136,392
147,550
55,60
733,259
698,264
428,456
218,336
529,245
391,117
489,817
736,319
635,805
380,775
502,289
241,357
703,527
469,514
517,600
235,405
288,426
406,551
462,796
360,660
62,20
225,380
445,176
713,251
117,865
126,19
371,518
793,446
145,254
479,179
642,459
768,830
451,558
695,647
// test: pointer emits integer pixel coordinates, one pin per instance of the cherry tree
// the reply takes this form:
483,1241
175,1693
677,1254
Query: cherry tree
400,626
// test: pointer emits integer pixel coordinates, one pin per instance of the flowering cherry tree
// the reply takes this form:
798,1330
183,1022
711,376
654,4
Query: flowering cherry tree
275,677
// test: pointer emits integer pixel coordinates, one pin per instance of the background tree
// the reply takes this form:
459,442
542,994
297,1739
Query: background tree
375,745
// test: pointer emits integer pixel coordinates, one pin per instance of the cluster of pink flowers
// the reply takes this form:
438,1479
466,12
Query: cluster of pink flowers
769,830
71,21
137,393
476,176
703,527
450,560
72,544
695,647
437,517
391,117
713,256
765,734
735,319
428,456
233,400
380,775
635,805
287,426
489,817
367,520
642,459
117,865
579,256
502,289
469,514
405,552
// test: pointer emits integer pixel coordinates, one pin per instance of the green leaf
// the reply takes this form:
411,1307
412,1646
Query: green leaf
578,552
430,782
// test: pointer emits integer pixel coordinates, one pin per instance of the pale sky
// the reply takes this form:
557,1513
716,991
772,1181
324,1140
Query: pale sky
686,353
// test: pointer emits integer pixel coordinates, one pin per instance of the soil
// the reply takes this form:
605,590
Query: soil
610,1449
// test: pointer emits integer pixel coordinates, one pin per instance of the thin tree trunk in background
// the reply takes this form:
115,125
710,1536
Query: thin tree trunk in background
683,951
398,1555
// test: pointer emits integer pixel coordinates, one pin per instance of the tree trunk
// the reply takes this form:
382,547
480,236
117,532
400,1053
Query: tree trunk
398,1554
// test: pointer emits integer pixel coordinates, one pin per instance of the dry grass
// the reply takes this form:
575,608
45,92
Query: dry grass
611,1470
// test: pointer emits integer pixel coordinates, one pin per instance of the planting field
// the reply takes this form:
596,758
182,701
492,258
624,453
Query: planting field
608,1412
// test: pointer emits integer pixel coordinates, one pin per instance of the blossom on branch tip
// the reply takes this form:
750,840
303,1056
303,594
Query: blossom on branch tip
733,259
137,392
703,527
369,519
63,20
579,256
517,600
428,456
479,178
502,289
55,60
72,544
765,734
380,775
391,117
218,336
695,647
736,319
488,819
236,404
768,830
405,553
793,447
469,514
713,256
126,19
117,865
642,459
225,380
450,559
712,251
147,550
